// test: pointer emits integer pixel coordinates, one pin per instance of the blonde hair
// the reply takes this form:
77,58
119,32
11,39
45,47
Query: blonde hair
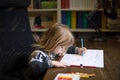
59,34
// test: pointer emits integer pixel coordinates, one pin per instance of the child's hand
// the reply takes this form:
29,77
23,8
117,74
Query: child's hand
81,51
58,64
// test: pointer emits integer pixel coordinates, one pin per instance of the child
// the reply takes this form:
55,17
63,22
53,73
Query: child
56,40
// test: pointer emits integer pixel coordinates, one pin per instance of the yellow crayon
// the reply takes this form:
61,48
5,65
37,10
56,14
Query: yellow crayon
84,75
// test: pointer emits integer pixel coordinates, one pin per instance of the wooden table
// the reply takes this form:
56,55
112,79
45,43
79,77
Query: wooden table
51,73
111,70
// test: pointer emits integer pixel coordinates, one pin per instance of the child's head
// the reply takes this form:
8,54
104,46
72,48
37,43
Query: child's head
57,36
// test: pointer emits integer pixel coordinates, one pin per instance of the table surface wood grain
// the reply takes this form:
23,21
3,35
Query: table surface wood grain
111,70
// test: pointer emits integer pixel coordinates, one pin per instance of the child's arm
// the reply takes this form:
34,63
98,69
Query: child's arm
76,50
71,50
58,64
81,50
39,63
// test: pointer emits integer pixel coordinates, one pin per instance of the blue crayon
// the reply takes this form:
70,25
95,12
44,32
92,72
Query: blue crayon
82,45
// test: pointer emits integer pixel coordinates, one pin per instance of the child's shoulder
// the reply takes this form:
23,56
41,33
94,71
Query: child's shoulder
37,55
37,52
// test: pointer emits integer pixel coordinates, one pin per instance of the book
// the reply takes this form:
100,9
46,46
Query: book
54,14
62,4
46,19
64,13
92,58
79,19
84,20
103,20
68,19
65,4
73,19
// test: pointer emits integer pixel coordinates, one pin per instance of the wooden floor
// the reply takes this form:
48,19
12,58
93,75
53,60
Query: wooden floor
111,47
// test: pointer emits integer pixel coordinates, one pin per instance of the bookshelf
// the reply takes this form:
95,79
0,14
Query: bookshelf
61,8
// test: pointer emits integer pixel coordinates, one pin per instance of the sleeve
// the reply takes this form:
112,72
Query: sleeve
39,64
72,50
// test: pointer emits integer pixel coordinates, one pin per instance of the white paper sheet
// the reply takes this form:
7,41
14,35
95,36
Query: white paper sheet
92,57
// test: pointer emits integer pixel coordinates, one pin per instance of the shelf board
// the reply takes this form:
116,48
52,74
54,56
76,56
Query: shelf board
82,30
38,30
41,10
80,9
110,30
79,30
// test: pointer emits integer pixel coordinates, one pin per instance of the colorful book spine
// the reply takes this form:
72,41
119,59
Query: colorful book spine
46,20
84,20
104,21
79,19
73,20
62,4
67,4
54,17
68,19
63,17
